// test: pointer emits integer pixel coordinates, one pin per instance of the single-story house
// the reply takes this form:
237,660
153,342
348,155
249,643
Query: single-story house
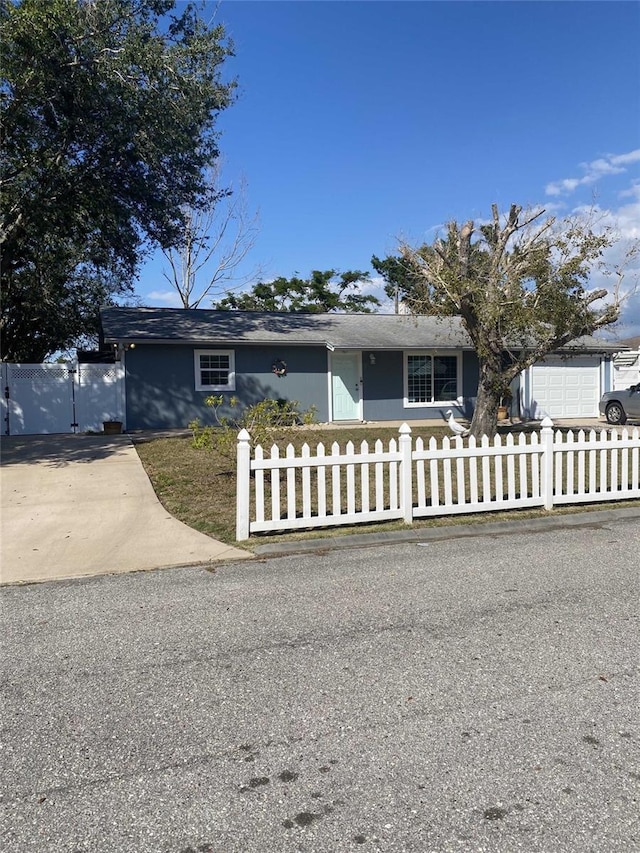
351,367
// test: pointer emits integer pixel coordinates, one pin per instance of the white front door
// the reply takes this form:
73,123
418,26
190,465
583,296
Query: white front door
345,386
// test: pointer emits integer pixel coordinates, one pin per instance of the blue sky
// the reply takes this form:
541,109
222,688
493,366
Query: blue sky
361,122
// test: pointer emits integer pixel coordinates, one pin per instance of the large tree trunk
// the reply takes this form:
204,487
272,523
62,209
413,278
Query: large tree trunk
485,415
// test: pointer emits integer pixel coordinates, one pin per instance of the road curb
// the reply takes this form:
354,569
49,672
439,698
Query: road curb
595,518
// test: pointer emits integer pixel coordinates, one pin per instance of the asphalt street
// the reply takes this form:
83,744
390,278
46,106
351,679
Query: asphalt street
475,694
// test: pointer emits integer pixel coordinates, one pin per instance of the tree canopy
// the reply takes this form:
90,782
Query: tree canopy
519,283
324,291
397,276
108,115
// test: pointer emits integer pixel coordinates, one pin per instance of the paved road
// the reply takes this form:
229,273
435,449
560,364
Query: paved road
465,695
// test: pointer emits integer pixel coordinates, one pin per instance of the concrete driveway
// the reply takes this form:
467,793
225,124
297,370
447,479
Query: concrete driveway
76,505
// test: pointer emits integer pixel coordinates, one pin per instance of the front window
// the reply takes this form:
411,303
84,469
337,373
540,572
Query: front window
215,370
430,378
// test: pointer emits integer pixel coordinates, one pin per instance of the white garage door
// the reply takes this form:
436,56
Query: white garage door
566,388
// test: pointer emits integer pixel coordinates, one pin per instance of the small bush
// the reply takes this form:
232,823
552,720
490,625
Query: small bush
266,421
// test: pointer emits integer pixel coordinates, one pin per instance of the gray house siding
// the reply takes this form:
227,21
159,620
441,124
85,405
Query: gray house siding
383,389
159,344
306,379
161,391
382,386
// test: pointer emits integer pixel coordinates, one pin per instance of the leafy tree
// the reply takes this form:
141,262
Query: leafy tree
215,240
322,292
397,276
520,286
108,115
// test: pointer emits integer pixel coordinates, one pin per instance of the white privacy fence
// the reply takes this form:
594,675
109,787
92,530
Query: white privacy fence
403,481
61,397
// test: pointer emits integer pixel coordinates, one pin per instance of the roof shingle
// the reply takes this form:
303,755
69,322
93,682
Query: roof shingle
336,331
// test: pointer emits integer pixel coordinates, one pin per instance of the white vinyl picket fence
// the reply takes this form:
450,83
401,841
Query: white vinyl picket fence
401,481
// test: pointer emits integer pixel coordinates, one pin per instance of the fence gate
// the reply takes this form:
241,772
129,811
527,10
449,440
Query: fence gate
60,398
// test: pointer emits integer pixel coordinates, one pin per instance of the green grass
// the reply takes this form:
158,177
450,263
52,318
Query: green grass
199,486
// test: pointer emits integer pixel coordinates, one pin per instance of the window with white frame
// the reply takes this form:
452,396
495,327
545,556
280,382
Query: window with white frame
215,370
431,378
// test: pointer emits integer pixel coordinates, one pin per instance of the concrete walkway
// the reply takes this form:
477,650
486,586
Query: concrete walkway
75,505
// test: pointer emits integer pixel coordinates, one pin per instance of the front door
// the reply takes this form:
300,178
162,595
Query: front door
345,386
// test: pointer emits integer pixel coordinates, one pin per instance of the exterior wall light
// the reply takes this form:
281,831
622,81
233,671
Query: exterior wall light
279,368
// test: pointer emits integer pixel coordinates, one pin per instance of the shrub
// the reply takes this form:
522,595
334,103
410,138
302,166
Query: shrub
266,421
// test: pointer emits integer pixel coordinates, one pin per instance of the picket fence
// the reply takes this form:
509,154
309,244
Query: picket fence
403,481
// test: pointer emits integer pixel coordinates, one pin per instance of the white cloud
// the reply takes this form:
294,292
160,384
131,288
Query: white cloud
166,297
554,207
621,216
628,220
612,164
621,257
372,287
376,288
632,192
630,157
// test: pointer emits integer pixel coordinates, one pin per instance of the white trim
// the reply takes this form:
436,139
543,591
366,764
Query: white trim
123,389
457,354
360,388
231,384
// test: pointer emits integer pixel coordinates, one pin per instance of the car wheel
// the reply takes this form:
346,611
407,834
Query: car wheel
615,414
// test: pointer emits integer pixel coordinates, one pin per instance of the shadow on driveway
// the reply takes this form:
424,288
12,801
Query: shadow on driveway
60,450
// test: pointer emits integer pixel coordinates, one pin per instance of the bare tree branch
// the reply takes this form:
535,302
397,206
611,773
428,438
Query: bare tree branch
215,242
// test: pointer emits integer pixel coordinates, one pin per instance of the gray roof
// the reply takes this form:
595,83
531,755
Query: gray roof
336,331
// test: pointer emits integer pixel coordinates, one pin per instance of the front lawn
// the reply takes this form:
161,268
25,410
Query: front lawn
199,486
